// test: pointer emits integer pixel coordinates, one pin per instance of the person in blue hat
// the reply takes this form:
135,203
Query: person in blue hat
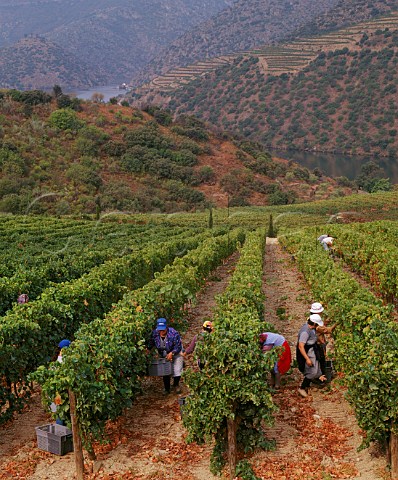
62,344
167,341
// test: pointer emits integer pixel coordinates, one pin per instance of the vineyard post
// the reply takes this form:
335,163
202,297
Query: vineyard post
394,456
77,441
232,446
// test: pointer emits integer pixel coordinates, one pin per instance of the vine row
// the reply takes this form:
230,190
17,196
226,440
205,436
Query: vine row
29,333
366,337
231,391
106,362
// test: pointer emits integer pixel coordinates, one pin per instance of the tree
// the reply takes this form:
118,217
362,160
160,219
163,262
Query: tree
369,177
97,97
380,185
57,91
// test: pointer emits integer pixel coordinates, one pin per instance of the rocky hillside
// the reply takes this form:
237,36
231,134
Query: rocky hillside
75,156
112,37
246,24
35,62
345,100
347,12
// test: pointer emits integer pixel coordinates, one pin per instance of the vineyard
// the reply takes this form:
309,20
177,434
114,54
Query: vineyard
287,57
103,284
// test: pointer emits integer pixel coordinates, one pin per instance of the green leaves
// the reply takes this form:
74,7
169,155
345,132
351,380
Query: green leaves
232,383
105,363
30,334
366,337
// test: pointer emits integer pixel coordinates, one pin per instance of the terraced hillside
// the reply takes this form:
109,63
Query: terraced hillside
245,25
183,75
289,57
335,92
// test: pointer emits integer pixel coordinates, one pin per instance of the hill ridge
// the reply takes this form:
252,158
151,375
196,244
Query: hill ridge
305,49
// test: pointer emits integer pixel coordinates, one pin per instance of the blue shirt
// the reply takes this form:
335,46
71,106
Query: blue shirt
172,342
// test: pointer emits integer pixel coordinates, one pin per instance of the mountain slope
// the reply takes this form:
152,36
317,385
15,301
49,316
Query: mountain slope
290,57
347,12
345,100
115,37
117,158
35,62
246,24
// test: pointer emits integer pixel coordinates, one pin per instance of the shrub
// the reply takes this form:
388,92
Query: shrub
83,175
238,201
148,136
281,198
65,101
206,175
65,119
117,195
195,133
184,157
30,97
344,182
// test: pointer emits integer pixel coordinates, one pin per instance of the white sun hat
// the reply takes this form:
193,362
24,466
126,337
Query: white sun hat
316,308
315,318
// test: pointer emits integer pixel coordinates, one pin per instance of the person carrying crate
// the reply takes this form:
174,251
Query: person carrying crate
168,343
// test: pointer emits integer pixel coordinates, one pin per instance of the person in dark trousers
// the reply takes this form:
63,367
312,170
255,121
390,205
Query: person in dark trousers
321,332
307,354
167,341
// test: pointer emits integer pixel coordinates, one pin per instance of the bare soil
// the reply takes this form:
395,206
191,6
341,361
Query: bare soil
316,437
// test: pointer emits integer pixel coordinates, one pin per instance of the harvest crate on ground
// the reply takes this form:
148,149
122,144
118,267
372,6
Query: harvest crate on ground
54,439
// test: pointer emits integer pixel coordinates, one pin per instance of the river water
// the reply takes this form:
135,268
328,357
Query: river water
334,165
108,91
337,165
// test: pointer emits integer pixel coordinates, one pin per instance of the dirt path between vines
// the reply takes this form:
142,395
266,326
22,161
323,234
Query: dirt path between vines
316,438
146,443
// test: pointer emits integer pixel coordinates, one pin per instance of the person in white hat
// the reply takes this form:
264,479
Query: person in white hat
321,331
307,353
316,308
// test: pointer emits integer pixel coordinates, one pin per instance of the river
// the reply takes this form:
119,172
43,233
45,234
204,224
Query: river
334,165
108,91
337,165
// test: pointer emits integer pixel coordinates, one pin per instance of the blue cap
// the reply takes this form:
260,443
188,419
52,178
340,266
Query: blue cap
64,343
161,325
161,320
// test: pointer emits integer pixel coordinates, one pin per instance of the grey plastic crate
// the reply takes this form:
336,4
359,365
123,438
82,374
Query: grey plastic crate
54,438
182,401
159,367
